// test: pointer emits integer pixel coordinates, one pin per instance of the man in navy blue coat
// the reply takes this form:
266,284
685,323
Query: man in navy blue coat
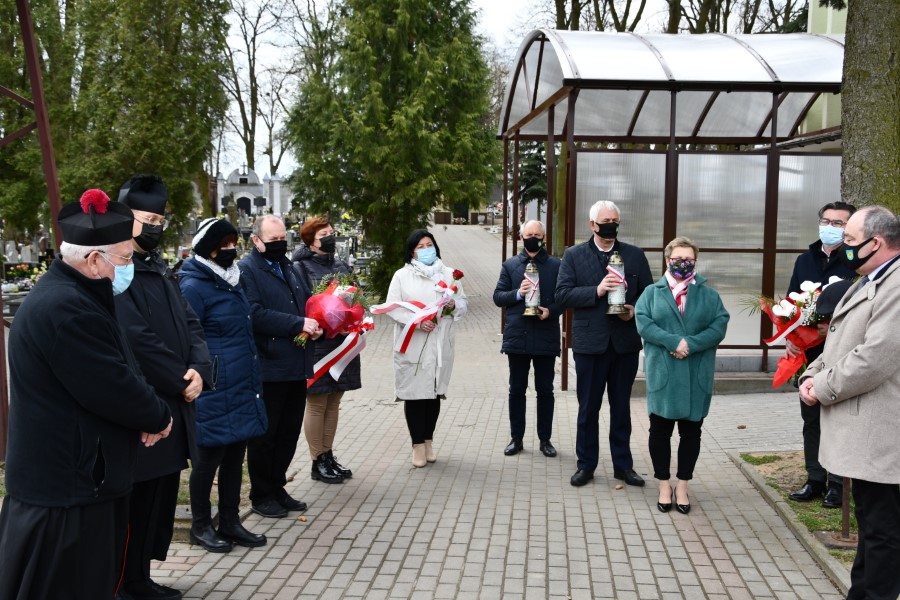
530,340
278,307
605,347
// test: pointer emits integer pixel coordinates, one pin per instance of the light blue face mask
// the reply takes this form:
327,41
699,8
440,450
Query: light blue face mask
124,275
426,256
831,235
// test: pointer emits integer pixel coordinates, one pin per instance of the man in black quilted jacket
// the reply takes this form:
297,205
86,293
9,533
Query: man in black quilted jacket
605,347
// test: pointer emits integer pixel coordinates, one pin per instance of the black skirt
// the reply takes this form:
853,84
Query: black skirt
61,553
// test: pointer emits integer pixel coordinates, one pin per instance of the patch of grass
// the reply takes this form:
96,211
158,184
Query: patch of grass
785,472
760,460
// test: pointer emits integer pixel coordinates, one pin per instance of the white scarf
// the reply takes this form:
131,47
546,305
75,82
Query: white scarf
232,275
434,271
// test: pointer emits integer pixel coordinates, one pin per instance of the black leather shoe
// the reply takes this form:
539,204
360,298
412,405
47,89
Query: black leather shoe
809,491
338,467
666,506
289,504
209,539
515,446
833,497
547,449
629,477
148,590
238,535
683,508
270,509
322,471
581,477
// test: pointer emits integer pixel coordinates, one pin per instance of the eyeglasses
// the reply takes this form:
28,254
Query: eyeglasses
834,222
127,259
154,221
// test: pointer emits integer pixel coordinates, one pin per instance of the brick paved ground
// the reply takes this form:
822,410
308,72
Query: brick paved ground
477,524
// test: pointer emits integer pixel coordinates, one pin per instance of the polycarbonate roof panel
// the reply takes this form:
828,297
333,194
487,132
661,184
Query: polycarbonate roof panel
605,112
800,57
618,56
613,70
707,58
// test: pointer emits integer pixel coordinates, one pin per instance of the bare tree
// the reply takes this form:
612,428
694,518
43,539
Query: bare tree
273,109
256,20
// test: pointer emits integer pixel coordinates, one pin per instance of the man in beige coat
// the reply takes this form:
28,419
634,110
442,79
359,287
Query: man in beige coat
857,382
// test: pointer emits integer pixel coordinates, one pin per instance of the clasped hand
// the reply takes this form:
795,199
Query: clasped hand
682,350
149,439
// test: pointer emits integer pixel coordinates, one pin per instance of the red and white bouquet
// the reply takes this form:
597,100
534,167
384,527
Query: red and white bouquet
795,319
339,307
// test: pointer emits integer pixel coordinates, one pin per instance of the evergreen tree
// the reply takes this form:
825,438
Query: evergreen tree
399,123
131,87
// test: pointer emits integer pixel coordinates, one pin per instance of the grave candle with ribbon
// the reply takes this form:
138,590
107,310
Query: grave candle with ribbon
616,298
533,297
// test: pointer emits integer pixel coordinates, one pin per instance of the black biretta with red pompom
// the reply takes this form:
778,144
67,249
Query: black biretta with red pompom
95,221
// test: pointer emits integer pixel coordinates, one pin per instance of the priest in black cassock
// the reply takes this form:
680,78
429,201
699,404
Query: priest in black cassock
168,341
79,411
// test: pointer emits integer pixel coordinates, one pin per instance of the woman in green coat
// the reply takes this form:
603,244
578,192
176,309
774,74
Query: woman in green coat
682,322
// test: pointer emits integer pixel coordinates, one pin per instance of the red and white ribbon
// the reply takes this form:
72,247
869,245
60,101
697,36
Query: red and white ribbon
420,313
337,360
619,277
790,326
534,287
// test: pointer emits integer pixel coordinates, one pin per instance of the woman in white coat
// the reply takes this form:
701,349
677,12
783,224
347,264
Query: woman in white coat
422,373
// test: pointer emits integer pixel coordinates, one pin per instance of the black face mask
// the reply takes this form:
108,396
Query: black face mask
150,237
607,231
225,257
275,250
533,244
327,244
850,255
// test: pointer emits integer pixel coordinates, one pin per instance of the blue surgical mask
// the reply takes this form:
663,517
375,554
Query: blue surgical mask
831,235
124,275
426,256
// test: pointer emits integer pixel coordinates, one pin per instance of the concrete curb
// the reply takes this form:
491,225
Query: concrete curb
829,564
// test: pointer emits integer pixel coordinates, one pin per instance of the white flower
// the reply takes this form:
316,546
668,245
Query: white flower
809,286
784,309
799,298
832,279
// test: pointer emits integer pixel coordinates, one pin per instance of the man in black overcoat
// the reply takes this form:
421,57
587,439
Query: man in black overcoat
278,307
605,347
530,340
79,410
170,346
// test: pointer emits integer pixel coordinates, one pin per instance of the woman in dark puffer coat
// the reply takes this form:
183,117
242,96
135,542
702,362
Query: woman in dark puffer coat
314,261
233,411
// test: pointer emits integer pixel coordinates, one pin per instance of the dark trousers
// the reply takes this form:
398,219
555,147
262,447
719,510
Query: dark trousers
229,460
614,373
661,446
270,455
519,366
421,418
811,436
151,520
876,570
62,553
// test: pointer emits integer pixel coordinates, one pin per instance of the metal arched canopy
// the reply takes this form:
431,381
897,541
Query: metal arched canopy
723,89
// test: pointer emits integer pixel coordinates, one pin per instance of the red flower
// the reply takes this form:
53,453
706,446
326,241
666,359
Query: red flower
457,274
